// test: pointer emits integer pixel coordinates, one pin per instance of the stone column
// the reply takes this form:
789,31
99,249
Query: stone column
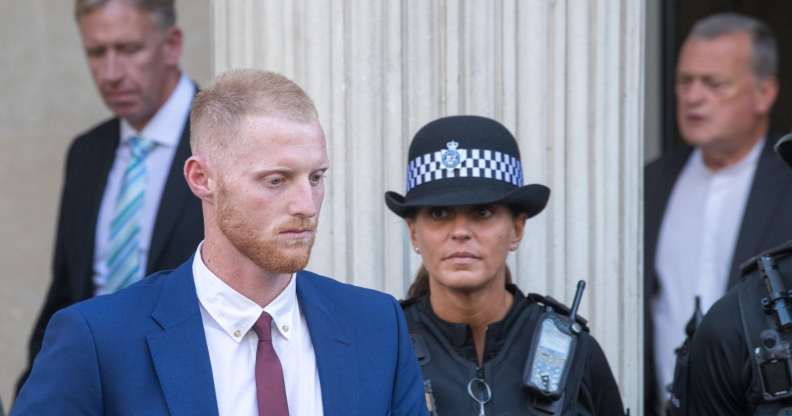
566,76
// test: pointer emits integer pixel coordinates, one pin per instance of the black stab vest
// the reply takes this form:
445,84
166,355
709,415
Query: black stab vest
449,372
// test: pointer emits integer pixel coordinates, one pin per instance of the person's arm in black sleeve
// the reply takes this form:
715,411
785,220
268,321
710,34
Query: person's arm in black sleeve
600,386
719,375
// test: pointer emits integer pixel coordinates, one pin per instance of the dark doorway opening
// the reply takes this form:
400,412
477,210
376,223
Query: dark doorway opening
678,17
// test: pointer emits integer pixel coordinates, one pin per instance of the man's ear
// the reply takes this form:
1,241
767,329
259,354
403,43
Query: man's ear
199,179
766,94
519,229
173,45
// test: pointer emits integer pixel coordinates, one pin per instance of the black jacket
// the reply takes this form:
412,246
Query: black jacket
764,225
449,362
723,378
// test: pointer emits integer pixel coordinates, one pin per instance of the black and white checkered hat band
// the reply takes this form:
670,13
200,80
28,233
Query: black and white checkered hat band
464,163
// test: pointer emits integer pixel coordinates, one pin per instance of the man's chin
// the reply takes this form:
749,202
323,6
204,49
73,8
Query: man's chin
124,109
696,136
285,265
286,259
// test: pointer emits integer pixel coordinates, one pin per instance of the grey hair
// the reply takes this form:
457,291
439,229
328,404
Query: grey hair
764,48
163,10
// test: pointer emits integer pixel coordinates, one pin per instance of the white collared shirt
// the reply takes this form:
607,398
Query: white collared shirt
165,129
228,319
695,248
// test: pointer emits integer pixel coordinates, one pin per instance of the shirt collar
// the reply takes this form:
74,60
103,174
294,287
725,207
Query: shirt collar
234,312
748,161
165,128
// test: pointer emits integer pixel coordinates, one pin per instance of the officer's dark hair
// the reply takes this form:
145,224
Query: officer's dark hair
764,48
420,285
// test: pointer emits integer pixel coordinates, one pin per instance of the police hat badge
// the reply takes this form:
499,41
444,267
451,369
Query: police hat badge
451,157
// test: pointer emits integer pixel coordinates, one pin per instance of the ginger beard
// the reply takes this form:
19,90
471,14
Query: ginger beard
264,247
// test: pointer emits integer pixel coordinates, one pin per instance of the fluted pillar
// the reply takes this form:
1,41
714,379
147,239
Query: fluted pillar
566,76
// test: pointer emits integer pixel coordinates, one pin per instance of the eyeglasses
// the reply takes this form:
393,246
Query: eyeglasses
480,392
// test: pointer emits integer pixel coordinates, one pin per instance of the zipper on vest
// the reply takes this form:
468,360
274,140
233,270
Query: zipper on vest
479,390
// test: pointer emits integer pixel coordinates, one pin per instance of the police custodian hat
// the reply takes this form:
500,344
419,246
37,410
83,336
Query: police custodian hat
466,160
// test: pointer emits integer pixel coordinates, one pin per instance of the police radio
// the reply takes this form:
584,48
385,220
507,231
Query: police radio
552,349
774,356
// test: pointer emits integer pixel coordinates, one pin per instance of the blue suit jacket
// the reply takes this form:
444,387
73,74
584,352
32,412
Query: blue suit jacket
142,351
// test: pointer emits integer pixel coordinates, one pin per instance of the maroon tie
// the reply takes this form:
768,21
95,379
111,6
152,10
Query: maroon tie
270,389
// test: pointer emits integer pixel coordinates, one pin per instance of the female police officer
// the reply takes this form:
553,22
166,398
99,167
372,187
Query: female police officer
465,209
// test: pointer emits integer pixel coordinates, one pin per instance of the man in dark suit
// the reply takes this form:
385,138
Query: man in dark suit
715,203
240,329
125,208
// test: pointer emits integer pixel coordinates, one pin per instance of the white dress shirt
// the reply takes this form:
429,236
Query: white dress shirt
165,130
228,319
695,248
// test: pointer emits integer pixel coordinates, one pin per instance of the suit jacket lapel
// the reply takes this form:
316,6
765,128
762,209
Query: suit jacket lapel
173,198
95,183
179,352
333,348
764,199
657,191
104,157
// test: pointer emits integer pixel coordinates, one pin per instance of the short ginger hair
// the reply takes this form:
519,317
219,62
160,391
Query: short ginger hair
219,111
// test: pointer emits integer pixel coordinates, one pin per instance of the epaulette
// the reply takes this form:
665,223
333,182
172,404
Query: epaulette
557,306
779,252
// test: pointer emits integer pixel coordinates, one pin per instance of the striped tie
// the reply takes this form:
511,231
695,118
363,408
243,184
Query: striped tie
124,264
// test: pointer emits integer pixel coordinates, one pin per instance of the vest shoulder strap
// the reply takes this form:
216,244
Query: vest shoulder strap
749,302
754,320
778,252
406,303
421,349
